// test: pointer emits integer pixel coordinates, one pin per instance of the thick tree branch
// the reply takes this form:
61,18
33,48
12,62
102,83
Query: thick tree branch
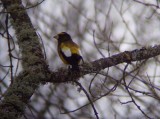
33,63
97,65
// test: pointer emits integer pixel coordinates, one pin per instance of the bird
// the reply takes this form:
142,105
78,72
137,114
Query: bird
69,52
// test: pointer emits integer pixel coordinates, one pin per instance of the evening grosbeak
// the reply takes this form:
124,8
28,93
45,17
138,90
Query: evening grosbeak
69,52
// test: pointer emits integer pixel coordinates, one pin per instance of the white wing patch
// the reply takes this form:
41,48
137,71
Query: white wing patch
66,51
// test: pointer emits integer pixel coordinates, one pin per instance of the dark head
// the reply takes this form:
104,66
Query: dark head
62,37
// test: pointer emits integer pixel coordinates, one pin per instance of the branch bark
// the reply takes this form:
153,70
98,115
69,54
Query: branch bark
33,63
100,64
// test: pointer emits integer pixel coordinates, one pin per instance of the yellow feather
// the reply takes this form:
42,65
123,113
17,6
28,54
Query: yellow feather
74,48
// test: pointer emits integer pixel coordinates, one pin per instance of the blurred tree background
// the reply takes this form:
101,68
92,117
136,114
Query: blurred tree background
102,28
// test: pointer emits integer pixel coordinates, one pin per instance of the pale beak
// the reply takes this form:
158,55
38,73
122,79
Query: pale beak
56,37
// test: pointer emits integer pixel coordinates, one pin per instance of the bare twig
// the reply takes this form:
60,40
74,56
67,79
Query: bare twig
132,99
44,51
91,84
35,5
9,48
147,4
96,45
91,102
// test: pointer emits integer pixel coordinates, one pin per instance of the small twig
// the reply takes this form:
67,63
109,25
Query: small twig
153,89
29,107
9,48
147,4
94,41
4,76
34,5
132,99
111,90
91,84
18,62
134,76
3,65
94,109
45,56
125,102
